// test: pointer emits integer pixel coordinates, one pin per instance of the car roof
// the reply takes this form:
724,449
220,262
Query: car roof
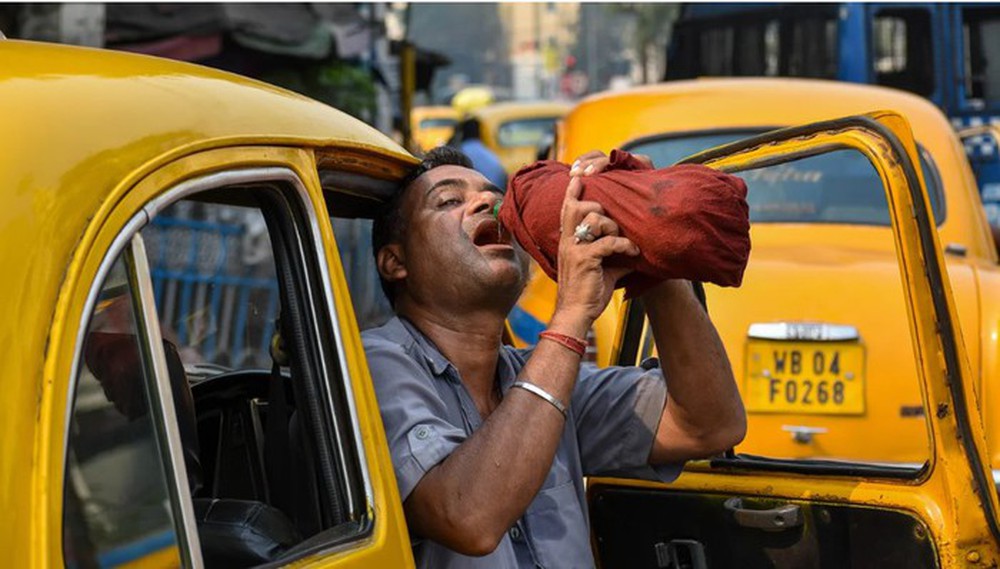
616,118
435,111
72,111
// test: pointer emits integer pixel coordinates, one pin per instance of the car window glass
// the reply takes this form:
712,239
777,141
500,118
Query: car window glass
215,283
526,132
116,507
260,402
831,193
354,242
981,43
903,57
438,123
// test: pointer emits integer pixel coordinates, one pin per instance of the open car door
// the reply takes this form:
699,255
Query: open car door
745,510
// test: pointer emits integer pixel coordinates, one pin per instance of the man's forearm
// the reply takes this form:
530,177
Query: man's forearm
471,498
704,413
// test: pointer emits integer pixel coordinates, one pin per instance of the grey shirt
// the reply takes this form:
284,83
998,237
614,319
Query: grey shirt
427,413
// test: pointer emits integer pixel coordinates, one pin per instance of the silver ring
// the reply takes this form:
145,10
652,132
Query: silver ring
583,234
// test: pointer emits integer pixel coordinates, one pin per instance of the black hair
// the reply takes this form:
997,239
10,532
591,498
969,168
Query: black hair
389,225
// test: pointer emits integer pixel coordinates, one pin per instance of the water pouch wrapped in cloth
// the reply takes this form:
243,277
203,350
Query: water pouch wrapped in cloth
689,222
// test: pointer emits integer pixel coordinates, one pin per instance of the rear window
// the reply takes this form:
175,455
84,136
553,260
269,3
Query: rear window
836,188
438,123
526,132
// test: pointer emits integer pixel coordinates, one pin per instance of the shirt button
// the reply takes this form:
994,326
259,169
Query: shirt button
515,533
423,432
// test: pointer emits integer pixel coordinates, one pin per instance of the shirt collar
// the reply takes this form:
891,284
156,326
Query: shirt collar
439,364
506,363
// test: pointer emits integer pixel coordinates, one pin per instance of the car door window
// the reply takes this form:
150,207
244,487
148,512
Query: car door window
261,408
117,508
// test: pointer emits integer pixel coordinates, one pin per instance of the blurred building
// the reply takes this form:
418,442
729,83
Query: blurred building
540,36
336,53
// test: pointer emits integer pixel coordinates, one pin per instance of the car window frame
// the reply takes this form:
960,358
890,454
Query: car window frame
308,249
928,165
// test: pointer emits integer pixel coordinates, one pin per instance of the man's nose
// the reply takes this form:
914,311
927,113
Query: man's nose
484,202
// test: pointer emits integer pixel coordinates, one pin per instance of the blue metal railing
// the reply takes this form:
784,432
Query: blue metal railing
207,296
216,291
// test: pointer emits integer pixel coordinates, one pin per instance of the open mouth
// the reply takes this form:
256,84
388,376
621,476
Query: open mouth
490,232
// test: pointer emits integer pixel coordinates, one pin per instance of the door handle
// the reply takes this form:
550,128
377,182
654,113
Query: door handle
774,519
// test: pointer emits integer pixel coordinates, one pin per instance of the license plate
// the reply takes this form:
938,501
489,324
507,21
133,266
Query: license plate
817,378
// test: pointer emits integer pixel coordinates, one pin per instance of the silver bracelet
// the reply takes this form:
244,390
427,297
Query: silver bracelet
528,386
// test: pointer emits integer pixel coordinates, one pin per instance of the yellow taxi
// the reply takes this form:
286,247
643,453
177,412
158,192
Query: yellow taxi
163,224
185,380
516,131
432,126
814,334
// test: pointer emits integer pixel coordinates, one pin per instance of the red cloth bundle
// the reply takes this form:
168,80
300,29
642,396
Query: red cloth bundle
689,222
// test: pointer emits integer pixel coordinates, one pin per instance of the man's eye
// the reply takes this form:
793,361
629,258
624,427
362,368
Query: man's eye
447,202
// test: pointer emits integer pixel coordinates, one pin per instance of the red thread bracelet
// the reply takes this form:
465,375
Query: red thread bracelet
575,344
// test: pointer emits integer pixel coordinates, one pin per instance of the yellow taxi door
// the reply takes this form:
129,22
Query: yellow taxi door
290,195
748,511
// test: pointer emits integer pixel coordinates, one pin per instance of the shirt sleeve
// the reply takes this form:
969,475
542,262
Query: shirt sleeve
616,411
412,413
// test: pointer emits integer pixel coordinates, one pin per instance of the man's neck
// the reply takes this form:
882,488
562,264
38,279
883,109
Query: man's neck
471,342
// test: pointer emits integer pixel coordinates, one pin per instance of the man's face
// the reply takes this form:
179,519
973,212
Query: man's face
454,249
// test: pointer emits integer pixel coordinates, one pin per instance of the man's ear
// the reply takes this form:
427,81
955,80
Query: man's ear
391,262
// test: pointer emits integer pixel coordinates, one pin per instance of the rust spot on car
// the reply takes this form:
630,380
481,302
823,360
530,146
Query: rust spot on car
942,410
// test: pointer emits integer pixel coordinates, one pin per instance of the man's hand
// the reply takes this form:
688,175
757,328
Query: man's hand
595,162
585,285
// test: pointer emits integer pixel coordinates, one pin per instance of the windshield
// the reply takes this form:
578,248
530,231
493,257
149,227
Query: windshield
526,132
837,187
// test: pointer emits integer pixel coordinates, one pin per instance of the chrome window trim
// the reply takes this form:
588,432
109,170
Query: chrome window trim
162,399
156,206
803,331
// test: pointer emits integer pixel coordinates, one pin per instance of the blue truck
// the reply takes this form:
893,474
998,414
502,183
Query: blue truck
949,53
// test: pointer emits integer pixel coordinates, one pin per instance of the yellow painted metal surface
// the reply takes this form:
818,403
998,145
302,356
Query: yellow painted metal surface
492,117
428,136
88,137
945,497
834,258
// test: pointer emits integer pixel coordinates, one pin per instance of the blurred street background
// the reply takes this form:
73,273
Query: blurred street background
348,54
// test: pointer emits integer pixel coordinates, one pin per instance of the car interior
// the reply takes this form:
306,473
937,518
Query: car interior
258,392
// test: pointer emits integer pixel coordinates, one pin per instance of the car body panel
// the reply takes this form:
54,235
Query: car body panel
493,117
428,137
71,184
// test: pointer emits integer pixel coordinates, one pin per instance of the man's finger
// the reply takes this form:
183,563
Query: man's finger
573,190
589,166
600,225
607,246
